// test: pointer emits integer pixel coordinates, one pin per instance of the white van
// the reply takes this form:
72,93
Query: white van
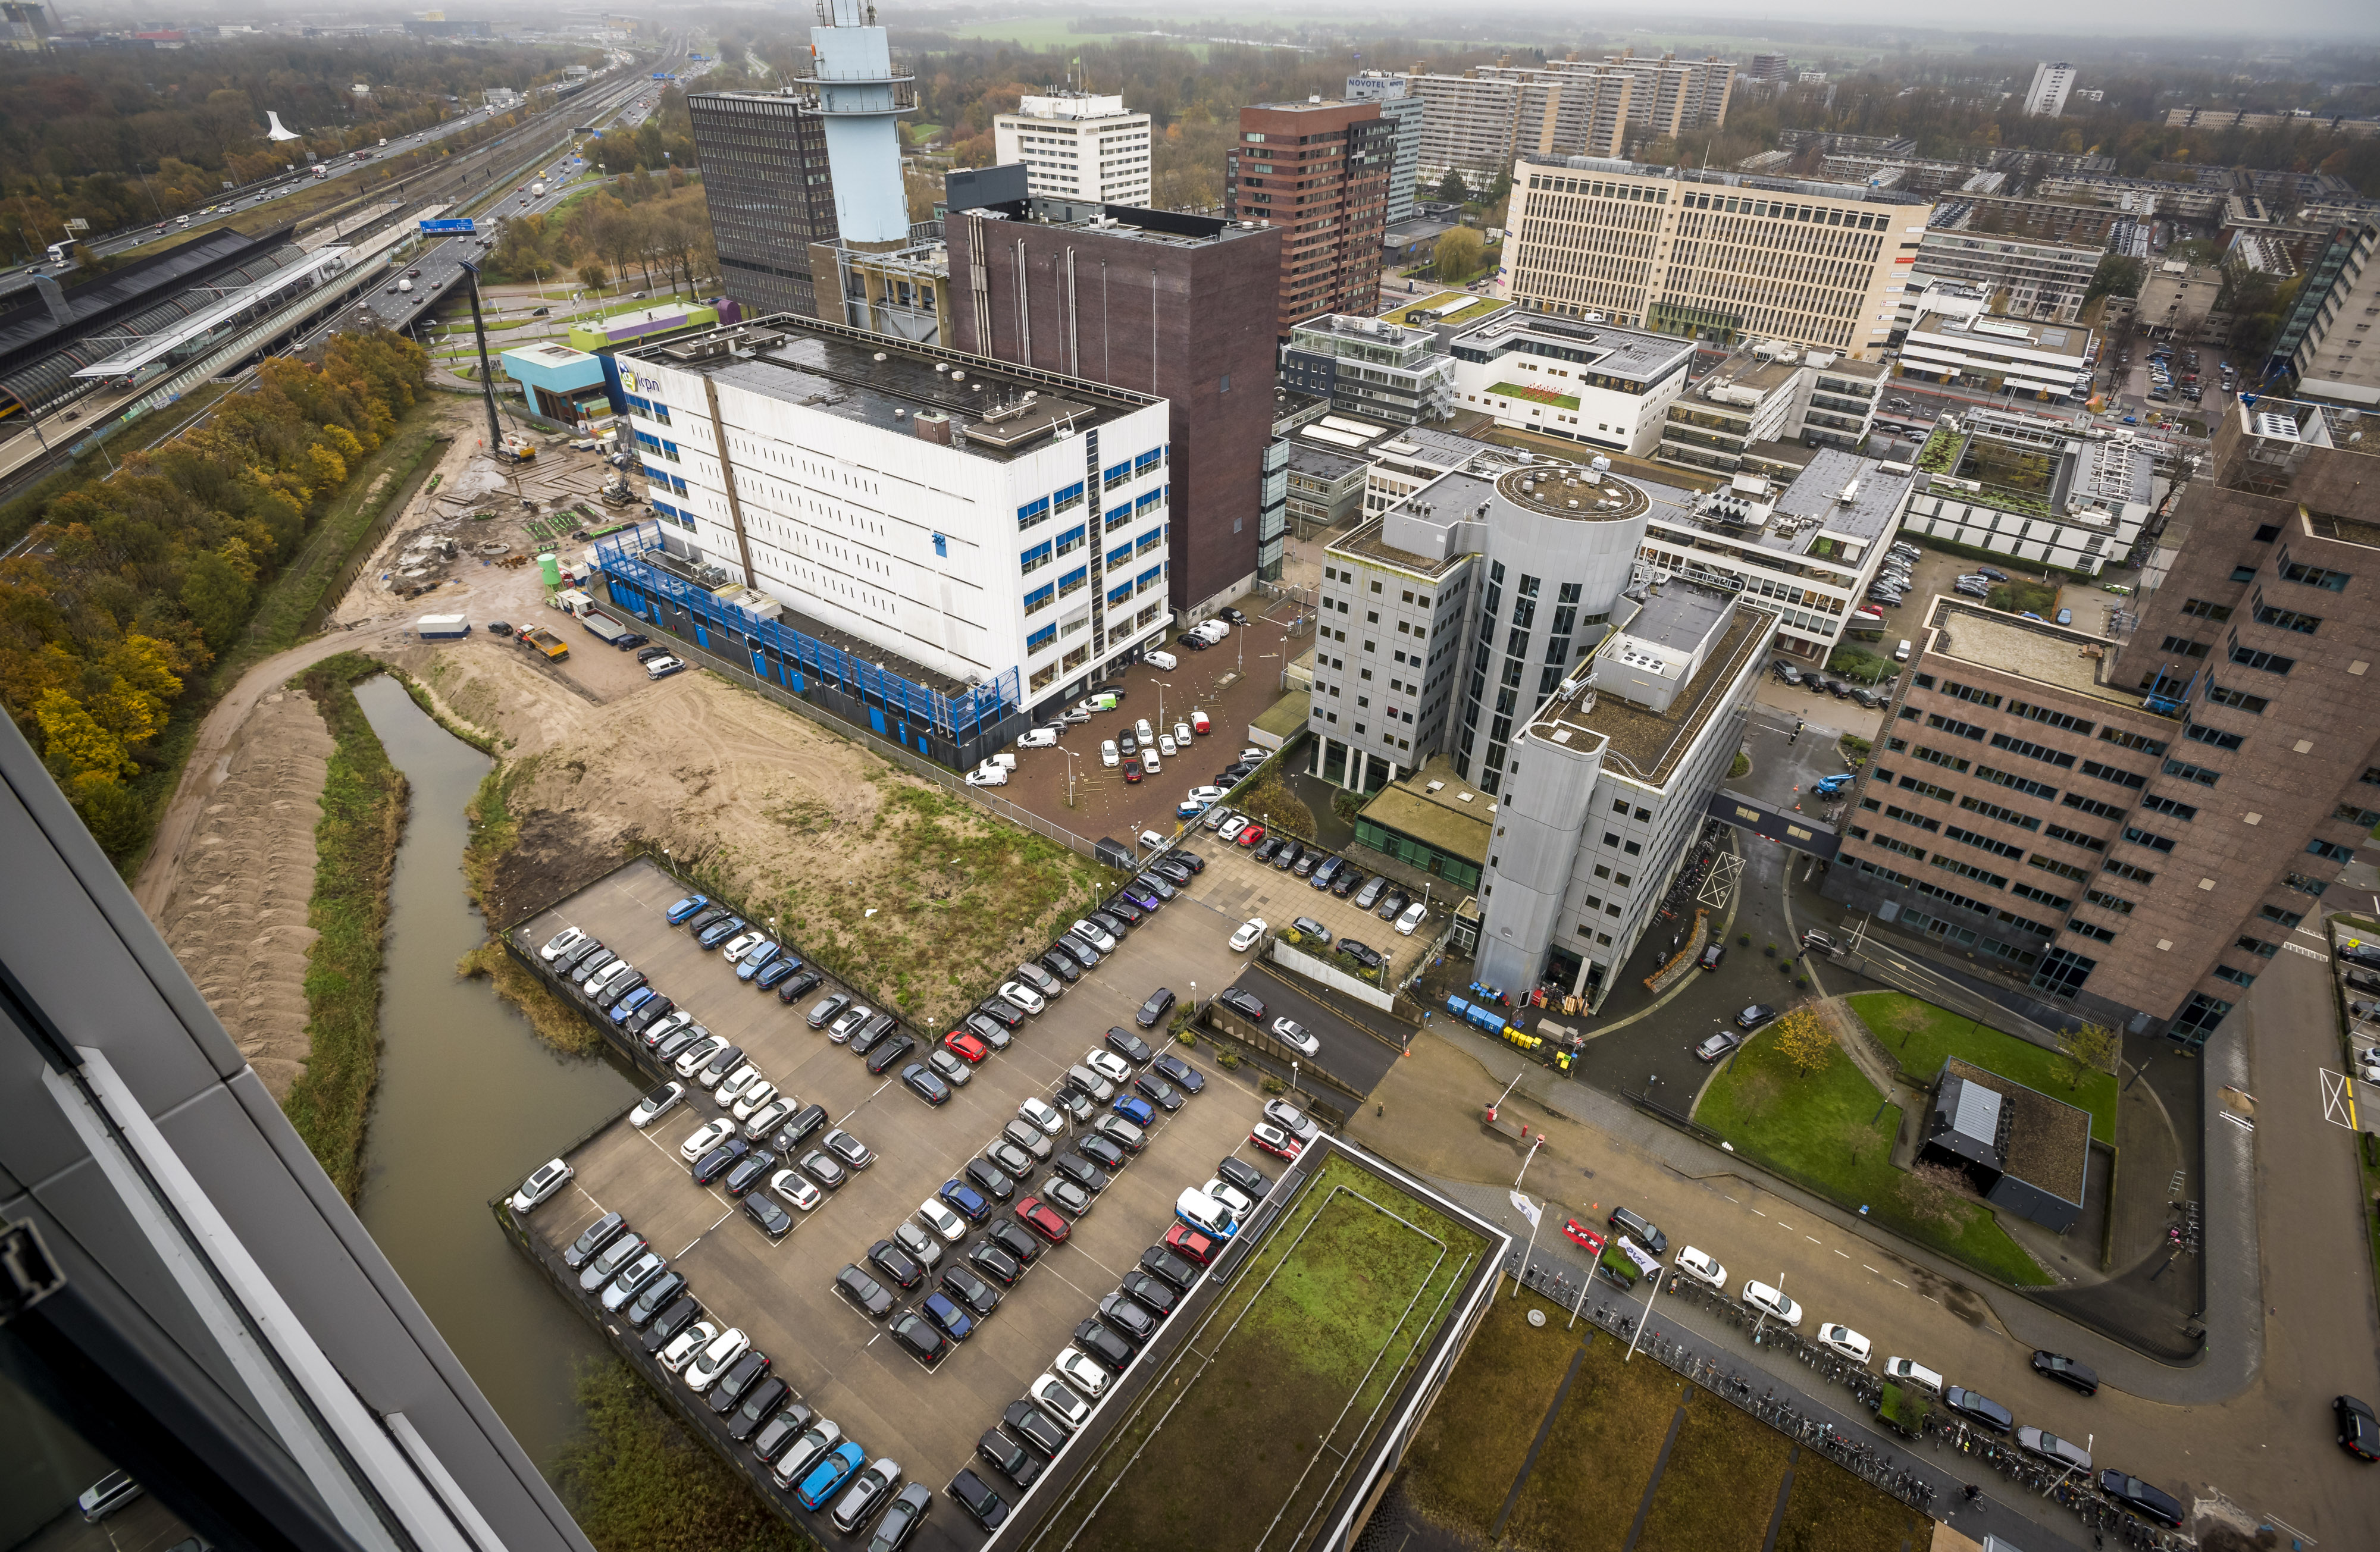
1908,1371
1900,654
1205,1214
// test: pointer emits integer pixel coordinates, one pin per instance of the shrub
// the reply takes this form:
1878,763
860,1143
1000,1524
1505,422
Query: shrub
1274,1085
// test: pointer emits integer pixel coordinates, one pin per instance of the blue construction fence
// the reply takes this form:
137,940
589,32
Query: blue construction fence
957,731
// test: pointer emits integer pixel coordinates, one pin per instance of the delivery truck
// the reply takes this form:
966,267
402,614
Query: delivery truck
442,627
608,630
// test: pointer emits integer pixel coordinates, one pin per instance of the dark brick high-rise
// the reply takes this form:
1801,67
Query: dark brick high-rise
1152,301
765,180
1317,171
2139,823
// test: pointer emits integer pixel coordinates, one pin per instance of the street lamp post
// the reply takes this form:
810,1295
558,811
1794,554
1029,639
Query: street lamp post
1538,1143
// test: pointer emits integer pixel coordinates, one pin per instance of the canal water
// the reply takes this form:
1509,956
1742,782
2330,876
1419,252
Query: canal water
469,1102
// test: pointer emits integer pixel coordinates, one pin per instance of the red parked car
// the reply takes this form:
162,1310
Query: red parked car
1043,1220
961,1044
1186,1242
1251,835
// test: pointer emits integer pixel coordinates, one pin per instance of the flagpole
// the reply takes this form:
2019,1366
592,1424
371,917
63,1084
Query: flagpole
1533,1216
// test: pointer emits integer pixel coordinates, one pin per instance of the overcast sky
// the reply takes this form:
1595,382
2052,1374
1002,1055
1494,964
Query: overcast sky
2303,20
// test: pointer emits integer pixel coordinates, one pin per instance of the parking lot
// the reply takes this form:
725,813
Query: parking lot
836,1360
1240,886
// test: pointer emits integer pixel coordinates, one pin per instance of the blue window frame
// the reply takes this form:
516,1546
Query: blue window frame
1119,593
1116,474
1036,558
1148,541
1120,555
1152,460
1118,516
1041,638
1070,497
1032,512
1146,500
1073,580
1074,538
1039,599
1149,579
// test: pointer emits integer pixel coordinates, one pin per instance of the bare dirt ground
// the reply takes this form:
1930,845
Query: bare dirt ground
892,883
236,915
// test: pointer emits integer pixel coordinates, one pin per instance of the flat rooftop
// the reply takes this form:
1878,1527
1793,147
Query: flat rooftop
997,409
1443,309
1997,332
2071,659
1817,494
2049,1141
1321,463
1646,746
1438,807
1125,223
1633,354
1709,177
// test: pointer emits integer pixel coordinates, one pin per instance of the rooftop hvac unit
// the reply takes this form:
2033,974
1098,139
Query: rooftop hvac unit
1851,493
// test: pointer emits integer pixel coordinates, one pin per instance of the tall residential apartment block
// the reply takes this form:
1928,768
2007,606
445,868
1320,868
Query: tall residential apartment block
2132,824
2330,362
1407,112
1076,145
1179,307
1721,256
940,539
1479,121
770,195
2046,98
1318,170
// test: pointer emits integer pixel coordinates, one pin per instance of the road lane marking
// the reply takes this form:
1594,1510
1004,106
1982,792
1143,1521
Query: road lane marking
1898,1283
1871,1269
1815,1240
1845,1257
1757,1212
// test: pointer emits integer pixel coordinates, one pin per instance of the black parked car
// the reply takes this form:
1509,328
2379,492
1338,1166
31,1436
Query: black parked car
1166,1266
1160,1003
974,1495
741,1375
990,1179
773,1220
656,1296
1122,1316
671,1321
890,1050
2067,1372
1131,1047
1978,1408
1246,1004
1159,1093
865,1293
1104,1347
1189,1078
802,985
1010,1236
1000,1010
748,1171
980,1297
1245,1176
897,1264
2147,1501
1081,1170
925,1083
765,1398
1101,1152
1061,963
1152,1295
1034,1427
994,1263
1009,1458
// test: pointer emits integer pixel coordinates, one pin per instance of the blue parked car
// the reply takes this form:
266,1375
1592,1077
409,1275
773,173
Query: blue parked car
1134,1110
830,1475
688,909
630,1003
1831,785
777,970
964,1200
750,964
944,1313
1141,895
2066,617
719,932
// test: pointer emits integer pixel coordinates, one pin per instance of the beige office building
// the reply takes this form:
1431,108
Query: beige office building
1722,256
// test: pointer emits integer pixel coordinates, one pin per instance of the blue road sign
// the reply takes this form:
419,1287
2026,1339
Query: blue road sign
463,225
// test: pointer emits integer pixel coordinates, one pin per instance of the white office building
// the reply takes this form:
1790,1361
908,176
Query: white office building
1077,145
957,519
1406,109
2052,83
2037,489
1608,387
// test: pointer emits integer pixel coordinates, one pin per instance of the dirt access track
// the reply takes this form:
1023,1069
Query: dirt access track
894,884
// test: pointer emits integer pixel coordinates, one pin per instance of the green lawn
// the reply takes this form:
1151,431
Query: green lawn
1534,395
1824,1131
2024,595
1831,1510
1591,1474
1920,1035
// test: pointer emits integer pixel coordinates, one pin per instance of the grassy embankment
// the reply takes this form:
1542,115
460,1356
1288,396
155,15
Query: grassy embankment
355,852
636,1483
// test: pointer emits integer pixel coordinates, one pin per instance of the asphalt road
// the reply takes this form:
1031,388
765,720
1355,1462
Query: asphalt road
1347,1053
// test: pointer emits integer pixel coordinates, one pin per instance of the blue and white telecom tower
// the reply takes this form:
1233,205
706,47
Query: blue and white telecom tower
859,93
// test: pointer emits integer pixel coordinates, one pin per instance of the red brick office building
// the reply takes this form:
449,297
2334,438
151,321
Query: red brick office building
1318,172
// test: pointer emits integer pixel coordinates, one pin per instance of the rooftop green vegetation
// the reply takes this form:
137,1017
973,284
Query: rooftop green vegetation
1921,1036
1536,394
1318,1331
1941,454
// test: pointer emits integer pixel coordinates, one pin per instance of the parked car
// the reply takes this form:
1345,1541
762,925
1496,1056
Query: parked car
2057,1452
1770,1301
1977,1408
1153,1011
1843,1340
2067,1372
2359,1429
547,1178
1702,1267
987,1507
1640,1229
1716,1046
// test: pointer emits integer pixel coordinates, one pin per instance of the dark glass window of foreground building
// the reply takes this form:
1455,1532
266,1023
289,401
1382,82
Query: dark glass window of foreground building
764,177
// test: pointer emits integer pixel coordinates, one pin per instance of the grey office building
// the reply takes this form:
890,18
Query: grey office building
765,179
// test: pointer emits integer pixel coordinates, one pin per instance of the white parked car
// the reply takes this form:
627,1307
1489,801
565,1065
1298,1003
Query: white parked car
733,1085
593,985
1149,764
1165,746
1843,1340
770,1116
1108,1065
1098,937
942,1220
1206,795
570,938
1908,1371
654,1106
724,1349
550,1177
1291,1033
1232,1196
1701,1267
1250,931
1038,739
1023,996
987,775
735,948
699,1053
754,1099
1108,756
1080,1372
1772,1303
1041,1113
686,1344
662,667
1055,1397
1413,917
796,1188
1165,660
709,1135
1181,736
